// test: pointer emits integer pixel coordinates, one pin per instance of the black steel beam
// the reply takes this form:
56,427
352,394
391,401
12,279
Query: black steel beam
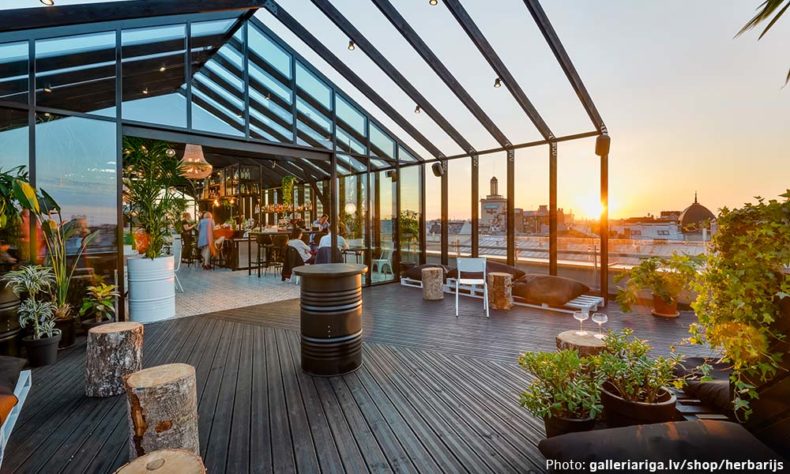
439,68
475,205
390,70
542,20
552,209
38,17
326,54
445,210
490,55
511,205
604,227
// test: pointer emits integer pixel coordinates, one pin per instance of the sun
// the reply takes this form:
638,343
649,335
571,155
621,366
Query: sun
592,209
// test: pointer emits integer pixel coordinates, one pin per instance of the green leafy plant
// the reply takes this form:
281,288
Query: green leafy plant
31,283
56,233
10,216
665,278
288,190
740,289
627,366
565,385
100,301
151,173
409,224
766,10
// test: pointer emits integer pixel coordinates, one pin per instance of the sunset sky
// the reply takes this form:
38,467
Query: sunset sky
689,107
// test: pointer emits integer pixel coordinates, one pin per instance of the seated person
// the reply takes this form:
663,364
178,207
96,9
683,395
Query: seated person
326,241
301,247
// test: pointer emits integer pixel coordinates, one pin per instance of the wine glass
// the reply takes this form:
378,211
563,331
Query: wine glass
600,318
581,317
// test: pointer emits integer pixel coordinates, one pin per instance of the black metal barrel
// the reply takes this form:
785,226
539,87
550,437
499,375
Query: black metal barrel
331,317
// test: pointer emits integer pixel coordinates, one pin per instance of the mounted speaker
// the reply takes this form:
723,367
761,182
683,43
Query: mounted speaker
438,169
392,174
602,145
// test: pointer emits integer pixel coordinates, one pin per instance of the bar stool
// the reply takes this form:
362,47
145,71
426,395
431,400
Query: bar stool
264,246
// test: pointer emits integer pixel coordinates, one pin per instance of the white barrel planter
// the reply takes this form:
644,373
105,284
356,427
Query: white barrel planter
152,291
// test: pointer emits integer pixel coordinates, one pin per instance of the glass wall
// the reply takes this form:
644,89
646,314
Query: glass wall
433,217
14,139
410,217
76,165
383,212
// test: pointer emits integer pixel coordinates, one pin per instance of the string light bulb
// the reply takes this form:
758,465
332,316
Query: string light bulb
49,3
351,45
497,83
433,3
417,110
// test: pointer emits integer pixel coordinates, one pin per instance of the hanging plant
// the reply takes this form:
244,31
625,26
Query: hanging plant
288,190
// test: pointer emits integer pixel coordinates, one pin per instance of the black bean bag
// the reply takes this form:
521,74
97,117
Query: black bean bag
678,441
547,289
491,266
415,273
715,392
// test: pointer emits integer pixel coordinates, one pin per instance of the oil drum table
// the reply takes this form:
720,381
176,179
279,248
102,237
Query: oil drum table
331,317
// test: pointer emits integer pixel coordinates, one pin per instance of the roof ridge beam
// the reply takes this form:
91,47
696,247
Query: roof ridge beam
390,70
440,69
318,47
542,20
502,72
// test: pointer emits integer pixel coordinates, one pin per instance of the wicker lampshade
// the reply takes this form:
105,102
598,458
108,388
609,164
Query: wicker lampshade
194,164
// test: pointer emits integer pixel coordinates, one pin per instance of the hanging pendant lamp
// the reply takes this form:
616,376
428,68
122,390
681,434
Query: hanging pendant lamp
194,164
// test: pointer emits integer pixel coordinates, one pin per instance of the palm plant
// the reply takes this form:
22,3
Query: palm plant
32,282
773,9
151,173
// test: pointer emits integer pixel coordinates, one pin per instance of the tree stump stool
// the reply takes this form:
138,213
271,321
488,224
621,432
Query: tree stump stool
114,351
500,290
586,344
165,461
162,409
432,284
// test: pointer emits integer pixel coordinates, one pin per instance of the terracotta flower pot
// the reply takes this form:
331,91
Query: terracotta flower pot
621,412
557,425
665,309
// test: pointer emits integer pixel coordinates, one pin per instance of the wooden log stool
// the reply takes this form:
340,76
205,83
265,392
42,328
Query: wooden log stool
165,461
162,409
586,344
114,351
432,284
500,290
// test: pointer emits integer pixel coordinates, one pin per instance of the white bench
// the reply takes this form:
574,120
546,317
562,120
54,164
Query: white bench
20,391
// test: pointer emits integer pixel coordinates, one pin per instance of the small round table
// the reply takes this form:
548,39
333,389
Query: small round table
432,283
586,345
331,317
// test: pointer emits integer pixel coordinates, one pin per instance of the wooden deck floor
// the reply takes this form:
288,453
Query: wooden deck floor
435,393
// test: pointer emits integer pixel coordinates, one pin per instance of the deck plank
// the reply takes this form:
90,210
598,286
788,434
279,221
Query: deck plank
435,393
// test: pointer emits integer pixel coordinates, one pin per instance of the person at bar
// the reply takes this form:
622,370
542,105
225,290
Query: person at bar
206,239
301,247
319,226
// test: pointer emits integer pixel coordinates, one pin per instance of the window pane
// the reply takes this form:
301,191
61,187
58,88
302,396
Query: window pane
271,98
353,211
14,135
381,145
314,87
263,47
532,209
218,78
410,213
153,75
433,217
459,174
14,72
351,116
77,73
382,201
76,165
492,223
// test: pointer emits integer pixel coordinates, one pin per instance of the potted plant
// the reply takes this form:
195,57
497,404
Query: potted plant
100,304
10,225
564,392
150,174
664,278
635,388
56,234
743,302
34,283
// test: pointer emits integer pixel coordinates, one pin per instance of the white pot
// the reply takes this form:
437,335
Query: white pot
152,291
129,250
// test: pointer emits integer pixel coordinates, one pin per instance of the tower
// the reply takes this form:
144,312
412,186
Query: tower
494,186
